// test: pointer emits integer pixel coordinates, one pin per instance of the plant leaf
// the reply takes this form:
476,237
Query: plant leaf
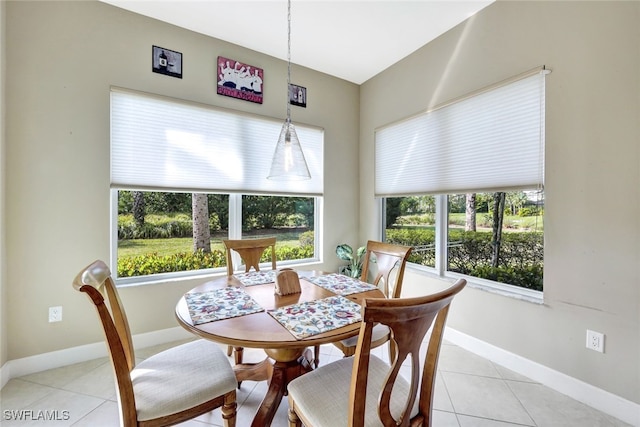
361,251
344,252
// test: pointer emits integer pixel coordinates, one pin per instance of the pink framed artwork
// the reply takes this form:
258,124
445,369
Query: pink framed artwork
239,80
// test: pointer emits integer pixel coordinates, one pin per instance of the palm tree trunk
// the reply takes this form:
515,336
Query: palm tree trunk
138,208
498,216
470,219
200,212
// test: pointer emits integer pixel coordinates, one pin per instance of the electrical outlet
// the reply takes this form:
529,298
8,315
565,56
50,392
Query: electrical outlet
55,314
595,341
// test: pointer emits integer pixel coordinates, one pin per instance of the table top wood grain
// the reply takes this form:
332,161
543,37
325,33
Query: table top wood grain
261,330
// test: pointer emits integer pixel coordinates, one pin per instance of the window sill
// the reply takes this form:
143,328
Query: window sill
164,278
199,275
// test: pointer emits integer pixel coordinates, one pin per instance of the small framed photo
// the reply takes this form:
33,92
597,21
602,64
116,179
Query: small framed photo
167,62
298,95
239,80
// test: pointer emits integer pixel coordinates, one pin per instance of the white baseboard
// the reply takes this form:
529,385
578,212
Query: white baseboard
68,356
595,397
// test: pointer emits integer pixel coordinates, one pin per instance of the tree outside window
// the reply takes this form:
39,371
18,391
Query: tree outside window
493,236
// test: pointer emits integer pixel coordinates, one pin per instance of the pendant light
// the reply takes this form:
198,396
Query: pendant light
288,159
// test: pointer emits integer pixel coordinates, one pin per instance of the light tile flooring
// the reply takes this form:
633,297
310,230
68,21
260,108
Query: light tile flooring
470,392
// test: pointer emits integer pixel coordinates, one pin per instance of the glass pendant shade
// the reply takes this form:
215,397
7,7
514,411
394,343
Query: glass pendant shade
288,159
288,162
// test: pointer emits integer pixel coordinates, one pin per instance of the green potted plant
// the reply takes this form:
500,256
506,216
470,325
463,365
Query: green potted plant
345,253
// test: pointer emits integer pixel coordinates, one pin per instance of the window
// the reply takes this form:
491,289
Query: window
157,235
466,187
185,176
503,245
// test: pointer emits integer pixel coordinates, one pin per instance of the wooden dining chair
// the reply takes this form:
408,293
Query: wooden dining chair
250,251
384,265
364,390
170,387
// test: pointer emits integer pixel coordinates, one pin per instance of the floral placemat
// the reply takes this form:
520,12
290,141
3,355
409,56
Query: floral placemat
220,304
340,284
315,317
256,277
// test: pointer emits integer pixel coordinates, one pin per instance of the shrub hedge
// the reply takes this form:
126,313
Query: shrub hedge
155,227
153,263
520,262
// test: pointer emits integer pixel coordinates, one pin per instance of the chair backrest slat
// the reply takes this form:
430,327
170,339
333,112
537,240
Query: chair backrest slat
409,320
95,280
387,257
250,250
120,321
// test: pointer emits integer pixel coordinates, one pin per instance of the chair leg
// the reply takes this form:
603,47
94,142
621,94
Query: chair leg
294,421
229,409
238,355
348,351
229,350
316,356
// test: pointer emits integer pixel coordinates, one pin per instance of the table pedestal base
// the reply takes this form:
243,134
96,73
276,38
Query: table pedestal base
260,371
289,364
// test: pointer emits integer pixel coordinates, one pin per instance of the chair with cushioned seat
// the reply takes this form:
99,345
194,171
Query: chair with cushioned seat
250,251
366,391
381,261
170,387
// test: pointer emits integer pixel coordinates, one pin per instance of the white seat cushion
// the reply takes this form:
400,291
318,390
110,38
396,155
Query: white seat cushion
323,394
180,378
379,331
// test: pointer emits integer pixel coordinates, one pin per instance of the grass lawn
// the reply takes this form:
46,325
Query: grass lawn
510,222
135,247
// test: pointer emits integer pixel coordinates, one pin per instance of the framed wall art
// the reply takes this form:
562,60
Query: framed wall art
298,95
167,62
239,80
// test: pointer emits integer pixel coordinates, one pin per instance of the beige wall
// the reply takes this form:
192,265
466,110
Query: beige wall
592,232
61,61
63,57
3,293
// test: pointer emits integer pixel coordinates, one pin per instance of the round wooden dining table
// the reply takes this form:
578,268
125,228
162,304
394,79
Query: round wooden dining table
288,357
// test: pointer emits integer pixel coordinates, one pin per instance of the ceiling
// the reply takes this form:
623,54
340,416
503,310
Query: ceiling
352,40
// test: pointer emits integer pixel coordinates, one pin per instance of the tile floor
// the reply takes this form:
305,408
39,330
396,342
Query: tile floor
470,392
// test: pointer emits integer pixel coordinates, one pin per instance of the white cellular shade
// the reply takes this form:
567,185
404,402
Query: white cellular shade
487,142
160,143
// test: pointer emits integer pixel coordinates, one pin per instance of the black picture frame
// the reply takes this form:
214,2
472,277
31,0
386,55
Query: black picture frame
298,95
166,61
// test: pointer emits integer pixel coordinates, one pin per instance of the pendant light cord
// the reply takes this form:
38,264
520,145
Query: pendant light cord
288,60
